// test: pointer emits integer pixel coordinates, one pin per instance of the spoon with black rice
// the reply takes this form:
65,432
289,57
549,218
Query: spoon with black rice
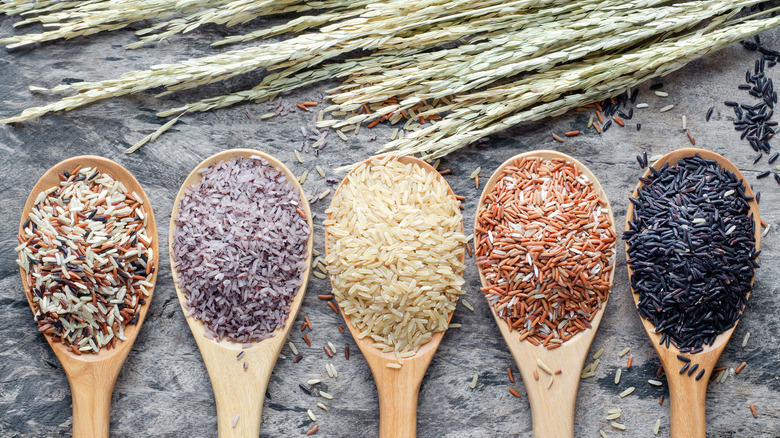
692,236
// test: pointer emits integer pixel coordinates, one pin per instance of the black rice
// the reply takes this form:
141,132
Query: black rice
692,249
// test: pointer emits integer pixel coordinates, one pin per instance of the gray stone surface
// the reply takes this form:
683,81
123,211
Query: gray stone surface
163,389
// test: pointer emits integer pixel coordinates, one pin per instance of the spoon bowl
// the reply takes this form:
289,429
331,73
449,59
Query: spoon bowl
552,409
92,375
686,393
398,389
240,392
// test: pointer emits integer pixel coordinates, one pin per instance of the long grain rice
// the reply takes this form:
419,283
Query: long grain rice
395,244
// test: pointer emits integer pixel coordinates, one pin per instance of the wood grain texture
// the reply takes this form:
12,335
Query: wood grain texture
552,409
238,392
163,389
397,389
92,376
687,395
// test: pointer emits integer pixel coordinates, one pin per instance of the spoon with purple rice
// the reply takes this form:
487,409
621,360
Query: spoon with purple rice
692,236
239,366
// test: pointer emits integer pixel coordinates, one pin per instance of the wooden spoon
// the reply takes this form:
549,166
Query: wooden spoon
236,391
552,410
688,394
397,388
92,376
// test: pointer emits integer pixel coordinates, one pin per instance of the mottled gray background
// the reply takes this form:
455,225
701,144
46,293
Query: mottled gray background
163,389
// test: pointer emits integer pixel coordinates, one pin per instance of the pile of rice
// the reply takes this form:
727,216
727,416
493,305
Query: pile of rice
395,244
240,248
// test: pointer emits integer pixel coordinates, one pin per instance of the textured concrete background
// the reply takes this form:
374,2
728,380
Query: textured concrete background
163,389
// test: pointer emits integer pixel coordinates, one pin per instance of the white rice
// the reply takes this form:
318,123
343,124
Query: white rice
395,247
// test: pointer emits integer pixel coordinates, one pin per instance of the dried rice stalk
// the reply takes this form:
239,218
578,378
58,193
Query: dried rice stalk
571,53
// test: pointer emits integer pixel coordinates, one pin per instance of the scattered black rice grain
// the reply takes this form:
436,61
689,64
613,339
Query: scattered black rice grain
685,367
758,157
305,388
297,358
763,174
683,358
656,86
774,157
240,355
709,113
777,178
758,197
638,126
691,251
639,160
754,121
693,369
606,126
701,374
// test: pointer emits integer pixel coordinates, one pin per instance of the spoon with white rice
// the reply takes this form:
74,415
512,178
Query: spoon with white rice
395,253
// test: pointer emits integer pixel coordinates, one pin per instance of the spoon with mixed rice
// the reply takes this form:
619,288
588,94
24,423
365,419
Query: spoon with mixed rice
88,254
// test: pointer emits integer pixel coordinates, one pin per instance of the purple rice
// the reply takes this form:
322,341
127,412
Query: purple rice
240,249
692,249
701,374
693,369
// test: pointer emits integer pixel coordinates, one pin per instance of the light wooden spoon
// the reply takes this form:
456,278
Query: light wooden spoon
397,388
688,394
552,410
92,376
236,391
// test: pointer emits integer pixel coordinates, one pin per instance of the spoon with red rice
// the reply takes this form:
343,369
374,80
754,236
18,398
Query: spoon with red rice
550,355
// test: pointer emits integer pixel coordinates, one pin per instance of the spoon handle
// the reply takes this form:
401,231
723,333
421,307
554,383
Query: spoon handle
398,390
238,391
91,386
552,410
687,404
